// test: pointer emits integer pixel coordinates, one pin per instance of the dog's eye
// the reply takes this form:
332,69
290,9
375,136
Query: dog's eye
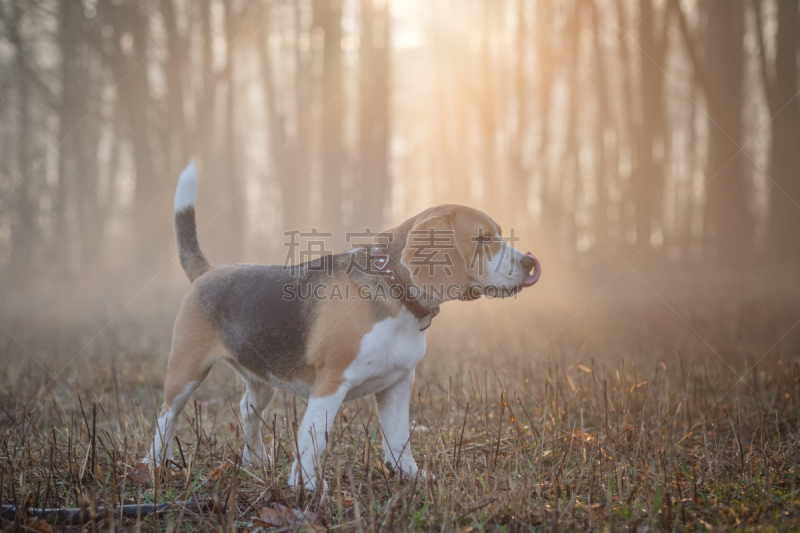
484,238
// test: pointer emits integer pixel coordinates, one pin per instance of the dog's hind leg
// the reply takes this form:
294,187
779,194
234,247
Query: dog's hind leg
195,344
161,449
255,401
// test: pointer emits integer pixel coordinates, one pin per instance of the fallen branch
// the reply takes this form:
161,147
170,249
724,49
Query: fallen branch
83,514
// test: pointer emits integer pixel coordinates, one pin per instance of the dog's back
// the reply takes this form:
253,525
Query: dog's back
266,330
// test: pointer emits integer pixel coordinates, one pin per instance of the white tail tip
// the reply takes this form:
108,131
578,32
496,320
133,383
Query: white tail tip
186,193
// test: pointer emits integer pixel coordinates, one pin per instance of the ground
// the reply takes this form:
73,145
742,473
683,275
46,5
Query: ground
606,407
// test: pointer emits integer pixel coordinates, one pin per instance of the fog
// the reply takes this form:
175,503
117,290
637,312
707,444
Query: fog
645,151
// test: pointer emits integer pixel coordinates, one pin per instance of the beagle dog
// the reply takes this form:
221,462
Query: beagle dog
331,330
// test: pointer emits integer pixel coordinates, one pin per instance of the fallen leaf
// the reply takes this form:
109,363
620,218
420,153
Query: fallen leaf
37,524
571,384
217,471
579,439
271,517
142,474
585,369
468,529
383,468
277,515
348,501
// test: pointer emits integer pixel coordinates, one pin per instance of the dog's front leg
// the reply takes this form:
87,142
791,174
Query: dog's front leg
393,405
311,438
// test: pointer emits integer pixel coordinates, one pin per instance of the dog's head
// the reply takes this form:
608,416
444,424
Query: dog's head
453,252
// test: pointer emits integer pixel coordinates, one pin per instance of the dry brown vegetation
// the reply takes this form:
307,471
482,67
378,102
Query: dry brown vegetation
620,411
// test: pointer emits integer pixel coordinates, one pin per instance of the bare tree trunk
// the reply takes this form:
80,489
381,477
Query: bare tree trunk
236,208
729,224
151,207
80,135
648,181
490,173
24,232
175,146
70,113
604,170
294,181
328,16
201,145
679,238
628,139
374,116
204,96
299,212
784,158
567,230
517,167
551,205
92,209
450,131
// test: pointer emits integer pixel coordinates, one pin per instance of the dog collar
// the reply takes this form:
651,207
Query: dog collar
382,262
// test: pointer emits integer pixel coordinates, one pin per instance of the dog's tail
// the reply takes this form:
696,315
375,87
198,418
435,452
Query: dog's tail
192,259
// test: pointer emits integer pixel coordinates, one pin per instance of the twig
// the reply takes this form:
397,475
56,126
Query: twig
81,515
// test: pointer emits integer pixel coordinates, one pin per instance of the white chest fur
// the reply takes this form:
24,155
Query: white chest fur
388,353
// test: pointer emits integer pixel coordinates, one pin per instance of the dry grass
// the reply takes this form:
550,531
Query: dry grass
628,416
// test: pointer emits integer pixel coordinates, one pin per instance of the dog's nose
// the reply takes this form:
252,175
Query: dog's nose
527,263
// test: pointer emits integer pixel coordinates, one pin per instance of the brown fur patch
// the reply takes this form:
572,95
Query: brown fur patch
336,335
468,259
195,344
454,269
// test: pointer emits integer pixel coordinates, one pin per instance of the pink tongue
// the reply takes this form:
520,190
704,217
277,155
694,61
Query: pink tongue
537,271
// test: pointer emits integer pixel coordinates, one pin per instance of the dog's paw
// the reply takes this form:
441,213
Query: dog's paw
254,458
428,476
310,485
409,470
309,482
158,461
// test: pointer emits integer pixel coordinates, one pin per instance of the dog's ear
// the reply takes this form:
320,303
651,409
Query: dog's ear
434,260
